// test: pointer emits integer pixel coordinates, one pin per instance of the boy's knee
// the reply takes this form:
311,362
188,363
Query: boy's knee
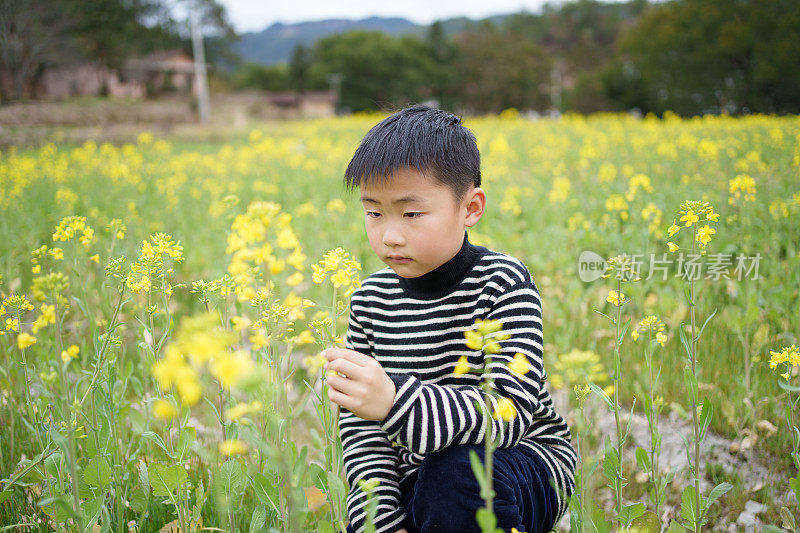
450,465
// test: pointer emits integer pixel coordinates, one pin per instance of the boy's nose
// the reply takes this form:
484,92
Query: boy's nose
393,237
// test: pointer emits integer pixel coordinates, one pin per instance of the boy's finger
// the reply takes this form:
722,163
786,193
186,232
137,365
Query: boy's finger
346,367
358,358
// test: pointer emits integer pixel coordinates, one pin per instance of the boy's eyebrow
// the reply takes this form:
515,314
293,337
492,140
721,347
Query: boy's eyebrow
404,200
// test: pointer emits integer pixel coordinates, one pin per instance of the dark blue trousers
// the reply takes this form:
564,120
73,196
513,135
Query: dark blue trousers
443,495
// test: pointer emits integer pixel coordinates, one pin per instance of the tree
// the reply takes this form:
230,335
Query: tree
38,35
698,56
379,71
497,70
298,67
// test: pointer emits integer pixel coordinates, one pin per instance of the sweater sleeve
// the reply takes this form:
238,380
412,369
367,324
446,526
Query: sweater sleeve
428,417
368,453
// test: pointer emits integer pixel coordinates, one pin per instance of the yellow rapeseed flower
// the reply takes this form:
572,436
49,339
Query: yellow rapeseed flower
704,234
24,340
70,353
505,410
232,447
474,340
520,364
673,247
314,363
462,367
229,368
242,409
304,337
673,229
661,338
616,298
689,218
164,410
342,277
788,354
48,316
295,279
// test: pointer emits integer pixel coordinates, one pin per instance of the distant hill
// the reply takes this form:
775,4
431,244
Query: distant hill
275,44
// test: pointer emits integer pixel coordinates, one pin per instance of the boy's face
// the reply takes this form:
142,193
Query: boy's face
414,223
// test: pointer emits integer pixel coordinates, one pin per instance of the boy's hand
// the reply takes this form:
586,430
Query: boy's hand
367,391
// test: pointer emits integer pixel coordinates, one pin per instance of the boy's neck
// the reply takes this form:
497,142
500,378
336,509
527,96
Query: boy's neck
447,275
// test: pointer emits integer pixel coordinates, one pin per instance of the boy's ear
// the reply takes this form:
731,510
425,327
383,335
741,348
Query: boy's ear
475,204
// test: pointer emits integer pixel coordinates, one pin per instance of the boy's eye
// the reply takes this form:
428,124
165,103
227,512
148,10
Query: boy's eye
373,214
413,215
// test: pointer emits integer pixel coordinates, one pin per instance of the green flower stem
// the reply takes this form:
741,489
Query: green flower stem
618,422
695,424
101,355
581,480
652,417
28,402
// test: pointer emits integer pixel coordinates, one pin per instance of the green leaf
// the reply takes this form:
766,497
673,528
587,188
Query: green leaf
600,392
60,440
477,469
605,315
794,483
716,493
266,493
682,335
611,464
714,312
788,518
300,464
144,479
687,294
166,479
623,331
188,437
60,506
317,475
785,386
231,478
629,513
325,527
769,528
258,519
642,459
149,435
705,417
690,381
97,474
689,506
486,519
91,512
336,487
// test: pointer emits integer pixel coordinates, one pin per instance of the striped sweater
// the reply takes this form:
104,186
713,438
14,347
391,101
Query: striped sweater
415,328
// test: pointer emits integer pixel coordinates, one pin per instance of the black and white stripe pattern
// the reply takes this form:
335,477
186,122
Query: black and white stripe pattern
418,336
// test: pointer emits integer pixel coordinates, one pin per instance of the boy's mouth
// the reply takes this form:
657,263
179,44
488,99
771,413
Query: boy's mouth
398,259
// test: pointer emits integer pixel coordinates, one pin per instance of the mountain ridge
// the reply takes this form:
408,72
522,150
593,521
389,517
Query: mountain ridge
274,44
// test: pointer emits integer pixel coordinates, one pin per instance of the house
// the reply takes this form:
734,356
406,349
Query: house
163,71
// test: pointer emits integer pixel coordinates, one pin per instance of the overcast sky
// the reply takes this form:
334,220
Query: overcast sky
255,15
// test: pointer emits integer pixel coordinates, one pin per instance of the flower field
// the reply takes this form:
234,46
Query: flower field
164,304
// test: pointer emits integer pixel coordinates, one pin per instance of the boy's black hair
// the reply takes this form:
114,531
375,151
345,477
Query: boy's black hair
426,139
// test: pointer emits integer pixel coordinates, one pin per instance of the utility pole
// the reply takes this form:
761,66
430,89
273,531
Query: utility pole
335,81
199,65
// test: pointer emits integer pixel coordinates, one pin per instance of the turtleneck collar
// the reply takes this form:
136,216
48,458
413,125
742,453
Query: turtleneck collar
446,276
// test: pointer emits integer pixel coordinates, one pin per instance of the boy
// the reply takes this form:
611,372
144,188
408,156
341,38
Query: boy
406,418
